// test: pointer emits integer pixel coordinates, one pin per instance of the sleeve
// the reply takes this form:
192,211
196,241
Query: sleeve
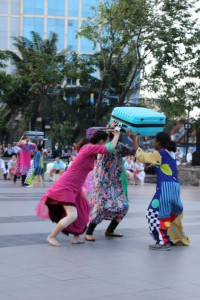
148,157
109,147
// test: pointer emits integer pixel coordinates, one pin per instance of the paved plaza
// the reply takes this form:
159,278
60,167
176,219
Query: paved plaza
108,269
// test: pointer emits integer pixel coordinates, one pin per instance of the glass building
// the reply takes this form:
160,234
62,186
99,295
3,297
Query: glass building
65,17
19,17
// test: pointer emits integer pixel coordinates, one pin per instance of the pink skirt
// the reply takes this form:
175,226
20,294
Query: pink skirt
51,207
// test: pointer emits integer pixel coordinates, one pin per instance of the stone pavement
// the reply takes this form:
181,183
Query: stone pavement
108,269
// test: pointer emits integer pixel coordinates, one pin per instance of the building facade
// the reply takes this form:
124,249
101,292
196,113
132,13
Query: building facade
20,17
65,17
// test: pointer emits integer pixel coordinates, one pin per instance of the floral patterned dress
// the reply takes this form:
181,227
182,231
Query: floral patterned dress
110,200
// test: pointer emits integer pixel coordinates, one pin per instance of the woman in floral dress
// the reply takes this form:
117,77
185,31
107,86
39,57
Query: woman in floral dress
110,201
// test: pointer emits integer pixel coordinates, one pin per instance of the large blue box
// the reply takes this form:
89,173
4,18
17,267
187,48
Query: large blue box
143,121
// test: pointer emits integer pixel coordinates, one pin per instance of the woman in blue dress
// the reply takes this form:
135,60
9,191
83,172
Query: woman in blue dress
166,204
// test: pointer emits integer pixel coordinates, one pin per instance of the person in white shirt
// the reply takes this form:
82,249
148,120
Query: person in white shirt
3,168
129,167
58,168
12,167
189,156
179,156
139,173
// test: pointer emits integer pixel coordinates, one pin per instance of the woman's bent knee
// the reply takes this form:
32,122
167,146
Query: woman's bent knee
71,212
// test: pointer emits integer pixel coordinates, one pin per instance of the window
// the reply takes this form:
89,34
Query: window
71,81
14,29
56,7
86,45
72,41
4,7
15,7
35,7
33,24
87,6
73,6
57,26
4,32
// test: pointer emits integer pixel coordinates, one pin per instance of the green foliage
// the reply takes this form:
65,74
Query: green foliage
40,70
174,59
3,58
159,36
61,132
116,30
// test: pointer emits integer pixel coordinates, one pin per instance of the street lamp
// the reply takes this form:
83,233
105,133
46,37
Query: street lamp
92,106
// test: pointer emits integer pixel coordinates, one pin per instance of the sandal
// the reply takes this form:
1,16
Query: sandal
89,238
113,234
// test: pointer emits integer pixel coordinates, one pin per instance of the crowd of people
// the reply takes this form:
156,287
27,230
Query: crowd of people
10,155
20,159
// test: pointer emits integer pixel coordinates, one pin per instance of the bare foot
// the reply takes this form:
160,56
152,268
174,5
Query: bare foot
53,242
76,241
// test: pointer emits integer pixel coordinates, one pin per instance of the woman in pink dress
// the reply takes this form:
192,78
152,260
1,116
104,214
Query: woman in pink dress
65,202
24,159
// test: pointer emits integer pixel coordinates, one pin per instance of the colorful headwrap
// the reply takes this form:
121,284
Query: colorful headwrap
90,131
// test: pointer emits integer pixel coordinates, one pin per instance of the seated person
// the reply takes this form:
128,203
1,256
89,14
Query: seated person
3,168
139,173
58,168
12,167
129,167
48,152
189,156
179,156
71,159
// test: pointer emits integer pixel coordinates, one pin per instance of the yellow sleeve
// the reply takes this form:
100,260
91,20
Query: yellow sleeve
153,158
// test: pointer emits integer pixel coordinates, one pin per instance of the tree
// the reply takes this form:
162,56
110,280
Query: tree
42,69
174,56
117,34
134,35
3,58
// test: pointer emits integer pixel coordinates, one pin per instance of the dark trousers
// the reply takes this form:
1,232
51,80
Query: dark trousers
111,228
23,179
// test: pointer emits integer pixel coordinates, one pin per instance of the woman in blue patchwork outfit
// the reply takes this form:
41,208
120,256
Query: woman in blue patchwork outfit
166,204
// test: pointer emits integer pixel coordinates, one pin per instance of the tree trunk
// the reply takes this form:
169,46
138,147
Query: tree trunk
99,100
